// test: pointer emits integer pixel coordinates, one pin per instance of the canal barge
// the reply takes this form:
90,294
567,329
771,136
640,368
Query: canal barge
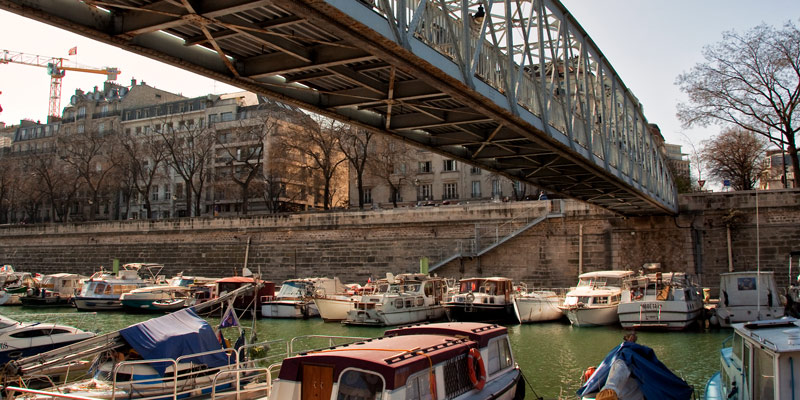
483,300
668,301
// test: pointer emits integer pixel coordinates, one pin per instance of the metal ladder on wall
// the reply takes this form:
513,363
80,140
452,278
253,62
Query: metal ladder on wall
489,237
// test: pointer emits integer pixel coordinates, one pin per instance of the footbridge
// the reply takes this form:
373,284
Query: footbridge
516,87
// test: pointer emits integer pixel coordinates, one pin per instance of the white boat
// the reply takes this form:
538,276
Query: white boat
483,300
670,301
53,290
101,292
747,296
758,362
399,300
295,299
14,285
539,305
333,307
24,339
594,301
175,294
454,360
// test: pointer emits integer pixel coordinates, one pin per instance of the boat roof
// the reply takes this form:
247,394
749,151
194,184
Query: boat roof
745,273
408,349
779,335
490,278
606,274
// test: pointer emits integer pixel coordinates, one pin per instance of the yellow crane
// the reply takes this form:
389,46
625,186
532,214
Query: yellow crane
56,69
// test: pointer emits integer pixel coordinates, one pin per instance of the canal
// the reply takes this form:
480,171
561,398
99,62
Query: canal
552,355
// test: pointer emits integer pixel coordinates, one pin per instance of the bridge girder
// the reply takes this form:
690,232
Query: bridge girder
522,91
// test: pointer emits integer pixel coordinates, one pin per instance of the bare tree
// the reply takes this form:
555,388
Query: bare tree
59,185
142,159
189,148
318,144
752,81
8,184
354,144
91,155
737,155
391,163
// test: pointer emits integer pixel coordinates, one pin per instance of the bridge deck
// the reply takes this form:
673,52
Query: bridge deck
521,92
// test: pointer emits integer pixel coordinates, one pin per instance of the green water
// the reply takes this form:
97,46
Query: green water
552,356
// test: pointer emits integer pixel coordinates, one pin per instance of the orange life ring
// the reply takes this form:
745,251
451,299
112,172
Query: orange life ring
588,373
479,380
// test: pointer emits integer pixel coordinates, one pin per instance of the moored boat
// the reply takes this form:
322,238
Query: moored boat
101,292
483,300
173,295
669,301
594,301
24,339
456,360
401,299
539,305
14,285
295,299
747,296
251,303
758,362
53,290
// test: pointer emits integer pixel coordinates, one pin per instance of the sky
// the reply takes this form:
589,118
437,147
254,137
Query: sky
648,42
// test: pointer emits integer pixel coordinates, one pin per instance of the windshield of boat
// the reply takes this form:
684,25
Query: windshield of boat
472,285
399,288
6,322
293,289
358,384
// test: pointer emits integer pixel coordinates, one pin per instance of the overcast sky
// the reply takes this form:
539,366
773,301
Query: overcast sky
648,42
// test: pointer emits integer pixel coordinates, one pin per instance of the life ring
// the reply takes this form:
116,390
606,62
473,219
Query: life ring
588,373
478,380
470,297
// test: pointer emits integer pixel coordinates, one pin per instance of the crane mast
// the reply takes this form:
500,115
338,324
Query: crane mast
56,69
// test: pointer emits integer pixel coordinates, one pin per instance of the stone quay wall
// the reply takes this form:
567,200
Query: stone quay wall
356,245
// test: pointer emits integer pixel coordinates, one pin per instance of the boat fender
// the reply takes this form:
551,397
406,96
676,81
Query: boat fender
588,373
478,379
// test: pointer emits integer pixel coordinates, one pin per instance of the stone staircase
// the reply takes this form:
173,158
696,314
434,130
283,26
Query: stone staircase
488,237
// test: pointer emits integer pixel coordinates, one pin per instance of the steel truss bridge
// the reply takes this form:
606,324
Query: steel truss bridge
515,87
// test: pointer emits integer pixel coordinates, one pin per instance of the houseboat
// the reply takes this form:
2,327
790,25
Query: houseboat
295,299
251,302
668,301
594,301
334,307
746,296
399,300
758,362
483,300
457,360
54,290
101,292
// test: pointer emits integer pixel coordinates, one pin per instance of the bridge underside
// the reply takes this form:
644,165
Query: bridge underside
311,54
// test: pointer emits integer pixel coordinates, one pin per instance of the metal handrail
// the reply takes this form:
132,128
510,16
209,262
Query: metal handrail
238,373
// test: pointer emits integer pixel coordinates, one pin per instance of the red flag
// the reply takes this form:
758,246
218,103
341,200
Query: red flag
73,51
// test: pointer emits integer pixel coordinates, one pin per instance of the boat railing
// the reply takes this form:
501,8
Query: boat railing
132,363
331,342
259,354
249,392
56,395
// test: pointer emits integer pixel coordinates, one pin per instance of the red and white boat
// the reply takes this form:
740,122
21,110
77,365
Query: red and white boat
457,360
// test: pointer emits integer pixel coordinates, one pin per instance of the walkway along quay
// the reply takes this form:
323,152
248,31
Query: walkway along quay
543,243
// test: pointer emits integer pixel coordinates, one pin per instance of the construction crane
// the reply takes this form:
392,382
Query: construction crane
56,69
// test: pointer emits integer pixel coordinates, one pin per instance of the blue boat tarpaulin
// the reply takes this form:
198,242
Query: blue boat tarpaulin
655,380
174,335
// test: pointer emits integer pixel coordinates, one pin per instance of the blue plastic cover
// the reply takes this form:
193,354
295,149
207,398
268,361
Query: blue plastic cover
174,335
655,380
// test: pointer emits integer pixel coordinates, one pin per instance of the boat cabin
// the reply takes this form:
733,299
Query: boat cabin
760,362
415,362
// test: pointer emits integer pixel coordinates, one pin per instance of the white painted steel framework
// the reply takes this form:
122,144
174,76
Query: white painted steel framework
519,89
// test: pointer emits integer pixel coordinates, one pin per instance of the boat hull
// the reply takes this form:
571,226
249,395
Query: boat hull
471,312
659,315
97,304
373,317
289,309
17,353
50,301
539,309
592,316
335,309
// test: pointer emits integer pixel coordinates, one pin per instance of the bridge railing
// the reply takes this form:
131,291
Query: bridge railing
535,54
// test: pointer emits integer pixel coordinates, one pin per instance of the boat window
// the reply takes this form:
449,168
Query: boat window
499,355
746,365
359,385
418,387
763,375
428,288
420,301
736,347
99,288
409,303
584,299
601,300
615,298
398,303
